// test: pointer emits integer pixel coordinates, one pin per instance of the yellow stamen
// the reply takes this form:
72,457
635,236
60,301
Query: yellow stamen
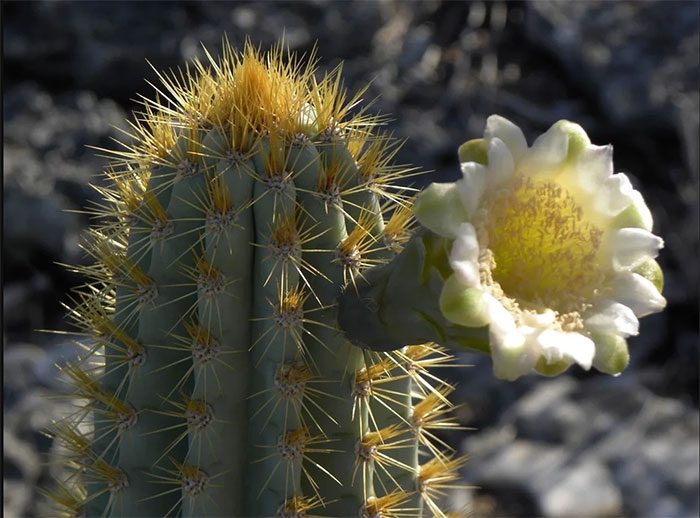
545,251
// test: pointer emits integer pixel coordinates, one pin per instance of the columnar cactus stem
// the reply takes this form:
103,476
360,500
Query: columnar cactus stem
217,439
274,477
173,242
252,198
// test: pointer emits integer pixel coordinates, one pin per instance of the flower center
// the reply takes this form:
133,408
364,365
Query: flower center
544,250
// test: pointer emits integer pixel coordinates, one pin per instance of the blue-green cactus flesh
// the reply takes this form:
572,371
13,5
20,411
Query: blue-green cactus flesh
252,195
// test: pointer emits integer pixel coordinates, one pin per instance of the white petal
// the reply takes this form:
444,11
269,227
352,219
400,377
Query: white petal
511,357
614,195
510,353
547,152
467,273
631,246
637,293
561,345
501,128
613,318
464,256
466,245
593,167
439,208
471,186
643,210
539,321
500,163
501,321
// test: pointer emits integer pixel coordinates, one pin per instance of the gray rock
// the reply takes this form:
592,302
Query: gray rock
540,478
33,415
103,46
47,169
617,51
483,397
34,395
39,225
548,415
20,459
18,370
652,448
588,478
48,166
47,136
47,371
17,498
595,447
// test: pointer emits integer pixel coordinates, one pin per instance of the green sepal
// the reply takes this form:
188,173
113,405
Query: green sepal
437,254
611,353
440,209
462,306
578,139
474,150
551,369
397,304
633,217
651,271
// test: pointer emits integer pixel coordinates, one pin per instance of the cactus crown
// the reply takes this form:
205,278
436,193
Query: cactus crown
216,381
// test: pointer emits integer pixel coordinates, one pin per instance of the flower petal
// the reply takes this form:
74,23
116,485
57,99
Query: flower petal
439,209
471,186
509,352
645,217
632,246
610,318
593,167
501,128
614,195
500,319
500,165
638,294
563,345
547,152
539,321
464,256
636,215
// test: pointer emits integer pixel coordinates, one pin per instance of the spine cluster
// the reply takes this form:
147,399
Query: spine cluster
217,382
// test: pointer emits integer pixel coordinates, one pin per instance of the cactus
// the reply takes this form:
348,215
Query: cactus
218,382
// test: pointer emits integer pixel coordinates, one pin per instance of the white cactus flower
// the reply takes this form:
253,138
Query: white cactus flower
558,248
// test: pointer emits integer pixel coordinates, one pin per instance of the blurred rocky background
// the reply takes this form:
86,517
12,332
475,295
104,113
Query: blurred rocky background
581,445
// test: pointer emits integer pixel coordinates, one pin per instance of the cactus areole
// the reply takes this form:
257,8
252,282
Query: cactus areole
263,319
